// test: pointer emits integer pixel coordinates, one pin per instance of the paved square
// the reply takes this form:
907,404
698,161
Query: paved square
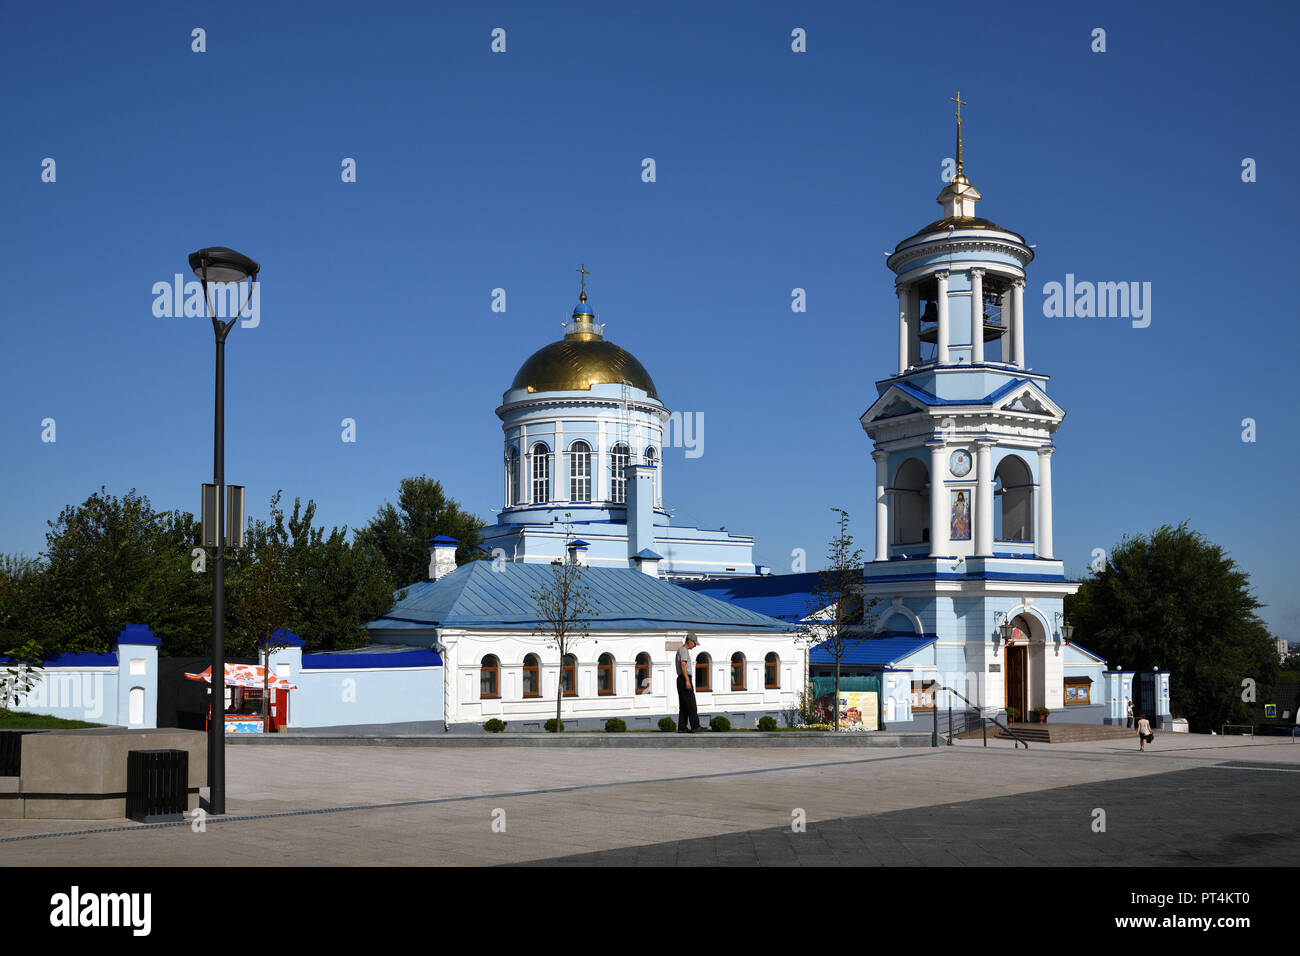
1196,800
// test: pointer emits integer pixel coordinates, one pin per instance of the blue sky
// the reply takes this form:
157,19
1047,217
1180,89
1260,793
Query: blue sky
775,170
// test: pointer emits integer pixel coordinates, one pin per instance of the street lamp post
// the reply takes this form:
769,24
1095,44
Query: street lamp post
219,264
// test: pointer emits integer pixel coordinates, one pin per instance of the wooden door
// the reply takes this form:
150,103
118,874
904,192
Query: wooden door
1016,660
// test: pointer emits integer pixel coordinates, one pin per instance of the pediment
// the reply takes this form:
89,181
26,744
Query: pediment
895,403
1029,399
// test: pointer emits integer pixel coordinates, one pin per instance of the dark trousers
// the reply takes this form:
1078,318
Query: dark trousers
686,711
1129,725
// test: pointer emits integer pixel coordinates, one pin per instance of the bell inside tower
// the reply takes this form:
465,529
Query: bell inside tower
995,319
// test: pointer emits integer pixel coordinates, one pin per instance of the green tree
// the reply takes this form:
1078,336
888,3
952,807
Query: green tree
19,593
115,561
1172,599
265,590
565,606
400,534
340,586
20,672
837,612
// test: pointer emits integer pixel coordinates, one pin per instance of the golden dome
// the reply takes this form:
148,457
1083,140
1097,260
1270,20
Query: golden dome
572,366
958,222
582,359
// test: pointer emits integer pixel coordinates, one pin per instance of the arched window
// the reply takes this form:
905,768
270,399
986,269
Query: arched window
911,502
605,675
569,676
1013,492
512,478
541,474
770,679
618,460
579,471
489,674
532,676
703,669
643,673
737,671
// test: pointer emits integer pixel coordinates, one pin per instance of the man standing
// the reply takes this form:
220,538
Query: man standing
1129,725
688,719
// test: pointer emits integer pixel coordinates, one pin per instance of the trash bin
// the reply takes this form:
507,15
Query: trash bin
157,784
11,752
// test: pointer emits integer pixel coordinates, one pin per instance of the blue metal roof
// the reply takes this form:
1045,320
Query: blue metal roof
784,596
932,399
1077,646
476,596
378,655
875,652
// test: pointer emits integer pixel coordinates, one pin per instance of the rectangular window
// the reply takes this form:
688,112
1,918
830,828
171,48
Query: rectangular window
922,696
531,688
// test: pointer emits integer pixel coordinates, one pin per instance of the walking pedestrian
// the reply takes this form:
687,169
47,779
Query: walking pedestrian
1144,732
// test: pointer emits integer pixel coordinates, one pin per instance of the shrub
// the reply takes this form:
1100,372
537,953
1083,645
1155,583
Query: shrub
494,726
719,724
767,723
667,725
550,726
615,725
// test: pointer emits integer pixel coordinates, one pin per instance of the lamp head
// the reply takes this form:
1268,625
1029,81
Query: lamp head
219,264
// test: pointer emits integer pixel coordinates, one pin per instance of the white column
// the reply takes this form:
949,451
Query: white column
507,491
1018,322
1005,340
882,504
914,326
1043,540
600,489
977,315
938,499
559,489
904,302
984,497
524,493
942,278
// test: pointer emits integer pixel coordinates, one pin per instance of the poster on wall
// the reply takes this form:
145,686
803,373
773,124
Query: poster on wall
858,709
960,516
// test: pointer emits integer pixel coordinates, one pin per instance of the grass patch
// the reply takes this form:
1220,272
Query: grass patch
20,721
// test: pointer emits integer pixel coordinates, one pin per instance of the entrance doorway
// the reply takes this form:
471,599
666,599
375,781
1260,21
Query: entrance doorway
1017,683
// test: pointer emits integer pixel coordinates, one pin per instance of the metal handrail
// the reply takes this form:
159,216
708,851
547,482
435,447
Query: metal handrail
1020,740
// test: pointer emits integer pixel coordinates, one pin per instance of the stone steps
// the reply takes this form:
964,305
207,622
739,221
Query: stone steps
1058,733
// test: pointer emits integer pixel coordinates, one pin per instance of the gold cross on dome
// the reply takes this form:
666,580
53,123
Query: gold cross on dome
583,269
960,103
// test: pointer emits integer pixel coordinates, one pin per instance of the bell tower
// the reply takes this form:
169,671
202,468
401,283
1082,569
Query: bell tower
963,441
